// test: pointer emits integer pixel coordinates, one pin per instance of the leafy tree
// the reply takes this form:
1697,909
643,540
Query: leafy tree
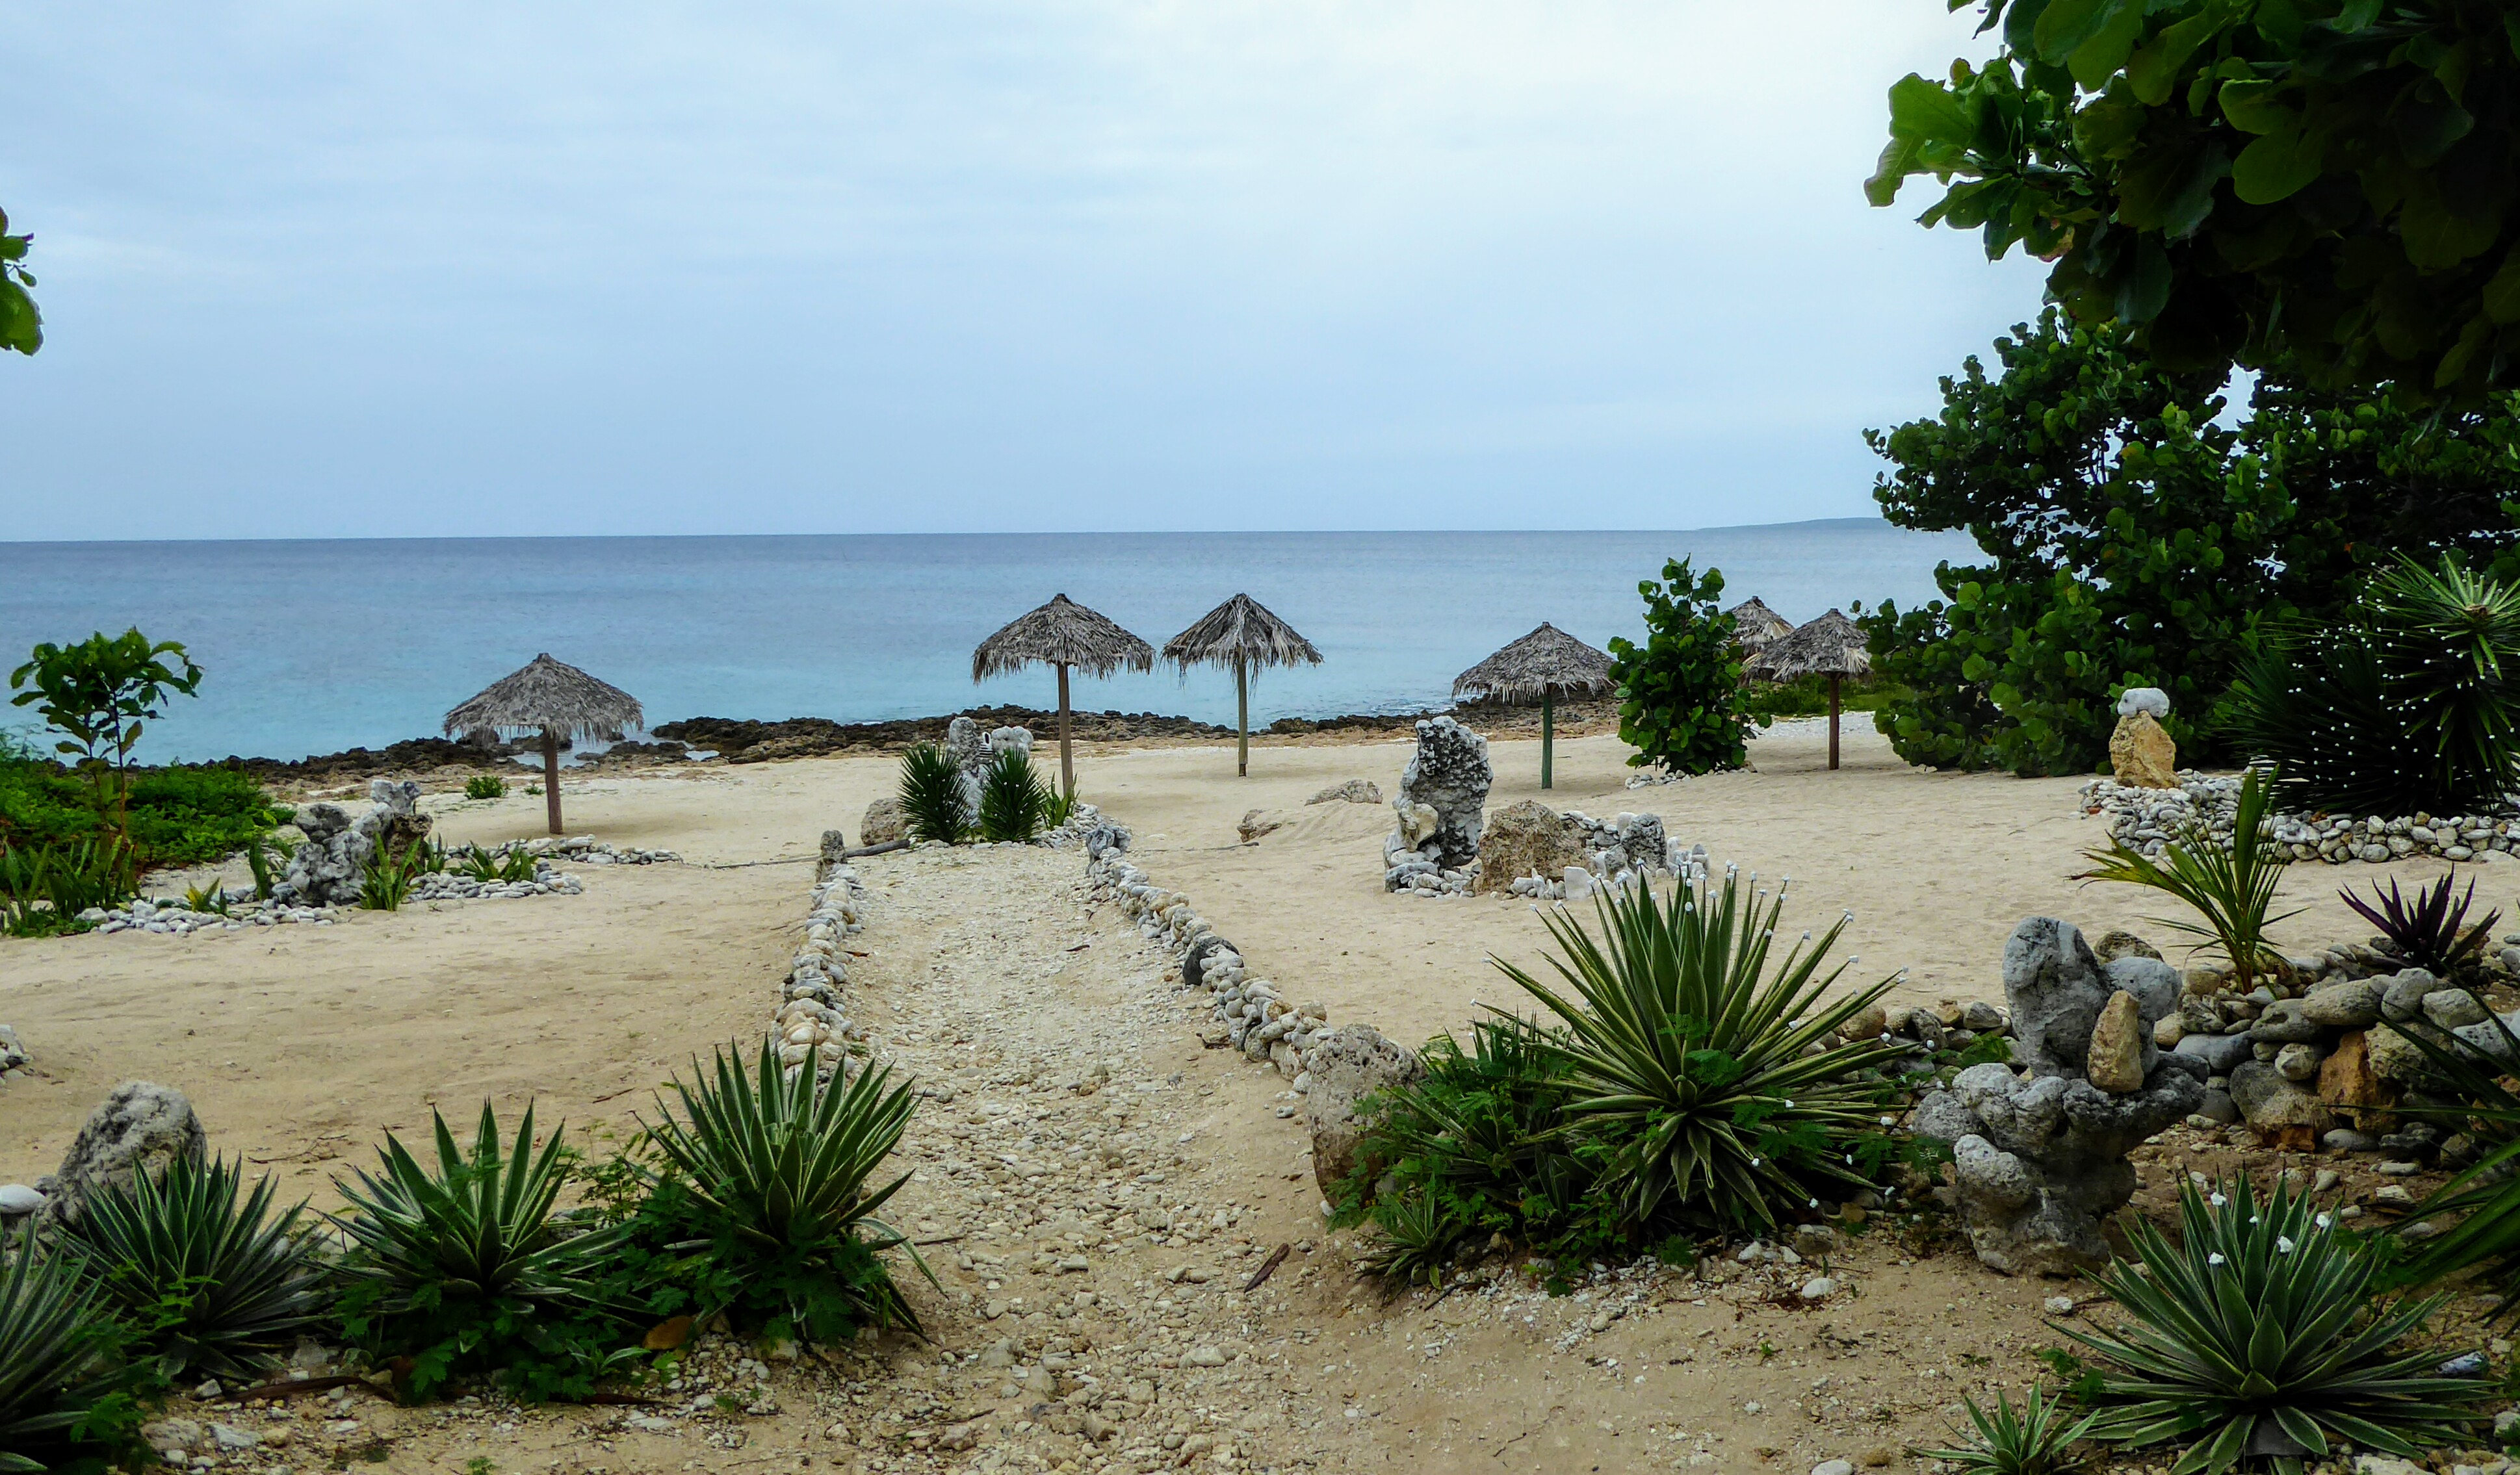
102,693
2135,541
1679,692
2326,185
21,327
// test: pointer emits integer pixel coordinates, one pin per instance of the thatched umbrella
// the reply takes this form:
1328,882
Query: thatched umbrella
559,699
1754,625
1242,634
1061,633
1832,646
1541,667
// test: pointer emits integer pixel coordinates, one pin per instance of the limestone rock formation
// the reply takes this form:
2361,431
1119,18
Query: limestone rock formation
1527,838
141,1127
1256,823
1443,796
2142,754
885,821
2040,1157
330,864
1353,792
973,750
1347,1065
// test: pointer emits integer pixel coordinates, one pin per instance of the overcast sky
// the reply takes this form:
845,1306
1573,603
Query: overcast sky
353,270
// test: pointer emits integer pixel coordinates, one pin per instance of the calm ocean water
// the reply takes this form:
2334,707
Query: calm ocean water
315,646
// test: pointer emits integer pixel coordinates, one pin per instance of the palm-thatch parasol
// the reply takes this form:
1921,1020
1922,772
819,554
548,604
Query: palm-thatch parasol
559,699
1832,646
1061,633
1541,667
1754,625
1242,634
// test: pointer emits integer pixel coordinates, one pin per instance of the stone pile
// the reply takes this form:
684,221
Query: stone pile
974,749
2148,819
449,886
330,864
810,1025
587,850
2040,1145
1531,850
172,916
14,1060
1442,801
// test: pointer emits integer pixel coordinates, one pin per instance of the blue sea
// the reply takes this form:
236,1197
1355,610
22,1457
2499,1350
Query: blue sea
316,647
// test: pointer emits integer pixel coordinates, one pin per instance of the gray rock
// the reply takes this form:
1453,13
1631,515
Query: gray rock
1923,1026
2401,996
2219,1054
2053,987
2217,1106
2283,1022
2150,701
1107,839
1981,1016
1450,774
17,1201
330,864
885,821
2300,1063
141,1127
2347,1140
2271,1104
2453,1008
2351,1004
2119,943
1347,1065
12,1054
1353,792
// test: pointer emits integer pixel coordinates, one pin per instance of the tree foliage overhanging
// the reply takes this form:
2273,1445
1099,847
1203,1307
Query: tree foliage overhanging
2134,536
2322,184
21,327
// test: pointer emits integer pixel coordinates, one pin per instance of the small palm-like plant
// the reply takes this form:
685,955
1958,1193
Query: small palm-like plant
479,1228
2035,1438
2256,1337
53,1362
782,1161
1013,801
2432,932
2231,885
216,1284
1688,1057
931,794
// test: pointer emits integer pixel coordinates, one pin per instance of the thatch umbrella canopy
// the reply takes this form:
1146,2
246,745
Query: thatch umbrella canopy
1832,646
1541,667
559,699
1754,624
1062,634
1242,634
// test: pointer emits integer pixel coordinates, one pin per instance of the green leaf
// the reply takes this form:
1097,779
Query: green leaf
2255,106
1928,111
2067,25
2153,72
2097,60
2503,292
2275,167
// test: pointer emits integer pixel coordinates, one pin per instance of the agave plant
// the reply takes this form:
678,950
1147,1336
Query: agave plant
2432,932
57,1359
932,793
2484,1199
216,1286
2230,884
2256,1337
2035,1438
783,1160
1693,1063
479,1228
1013,801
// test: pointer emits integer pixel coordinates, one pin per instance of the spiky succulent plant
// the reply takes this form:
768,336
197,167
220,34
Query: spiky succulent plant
56,1360
2038,1438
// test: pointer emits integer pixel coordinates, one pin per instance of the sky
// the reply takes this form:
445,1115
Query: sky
360,270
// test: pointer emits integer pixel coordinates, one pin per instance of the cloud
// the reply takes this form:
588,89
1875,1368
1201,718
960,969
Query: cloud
320,270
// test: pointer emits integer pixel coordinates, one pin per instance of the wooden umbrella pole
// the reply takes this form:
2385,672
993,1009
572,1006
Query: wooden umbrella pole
1066,760
1241,718
551,777
1548,737
1834,680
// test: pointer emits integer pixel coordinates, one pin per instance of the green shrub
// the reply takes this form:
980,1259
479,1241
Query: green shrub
467,1270
388,879
1808,696
176,817
1013,801
932,793
215,1286
2231,883
779,1168
2258,1335
1679,692
101,695
485,786
43,888
61,1357
1688,1057
2035,1438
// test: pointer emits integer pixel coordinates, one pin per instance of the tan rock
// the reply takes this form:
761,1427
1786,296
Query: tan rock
2142,754
1528,838
2347,1082
1869,1022
2116,1060
1257,823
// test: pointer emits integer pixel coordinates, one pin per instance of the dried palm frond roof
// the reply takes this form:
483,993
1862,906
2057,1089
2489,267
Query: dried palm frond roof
1545,664
549,693
1241,629
1754,624
1061,633
1830,646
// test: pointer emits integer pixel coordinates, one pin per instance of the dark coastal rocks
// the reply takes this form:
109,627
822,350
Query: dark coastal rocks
142,1127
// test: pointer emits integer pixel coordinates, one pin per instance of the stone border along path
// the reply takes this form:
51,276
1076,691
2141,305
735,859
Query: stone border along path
2148,819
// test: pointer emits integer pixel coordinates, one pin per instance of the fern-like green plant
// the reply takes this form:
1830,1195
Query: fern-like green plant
784,1162
2256,1337
2038,1438
931,794
59,1356
1692,1063
216,1282
1013,801
2231,884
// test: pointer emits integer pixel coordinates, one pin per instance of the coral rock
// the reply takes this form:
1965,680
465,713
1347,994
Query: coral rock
2115,1063
2141,753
